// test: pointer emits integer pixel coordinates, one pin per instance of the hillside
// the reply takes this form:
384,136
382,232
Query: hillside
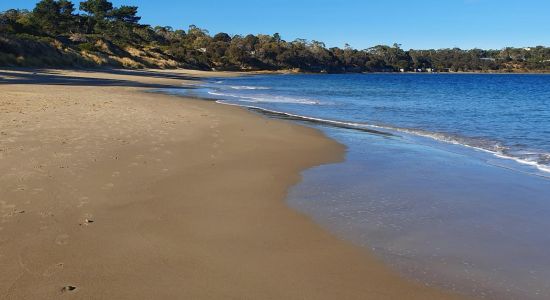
56,34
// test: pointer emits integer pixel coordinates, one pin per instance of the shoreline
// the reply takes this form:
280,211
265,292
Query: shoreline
228,73
538,169
125,194
390,192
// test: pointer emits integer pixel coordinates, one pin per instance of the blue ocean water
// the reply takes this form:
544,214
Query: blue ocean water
508,115
446,177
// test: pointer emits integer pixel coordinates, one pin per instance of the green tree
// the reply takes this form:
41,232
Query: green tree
125,14
46,16
98,9
54,17
67,18
15,21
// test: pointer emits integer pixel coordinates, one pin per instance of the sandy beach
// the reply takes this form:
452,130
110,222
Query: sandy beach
108,191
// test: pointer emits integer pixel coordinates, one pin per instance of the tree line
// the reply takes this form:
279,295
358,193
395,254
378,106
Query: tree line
99,33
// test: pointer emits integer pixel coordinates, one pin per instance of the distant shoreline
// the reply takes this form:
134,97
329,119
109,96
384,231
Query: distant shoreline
294,71
261,72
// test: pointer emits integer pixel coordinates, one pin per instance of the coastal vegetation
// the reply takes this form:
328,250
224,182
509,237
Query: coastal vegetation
57,34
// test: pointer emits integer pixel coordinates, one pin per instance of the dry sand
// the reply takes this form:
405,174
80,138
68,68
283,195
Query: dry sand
123,194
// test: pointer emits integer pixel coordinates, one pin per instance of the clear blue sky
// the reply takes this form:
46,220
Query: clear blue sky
416,24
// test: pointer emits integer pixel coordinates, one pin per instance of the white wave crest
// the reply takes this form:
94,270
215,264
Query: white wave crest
246,87
267,98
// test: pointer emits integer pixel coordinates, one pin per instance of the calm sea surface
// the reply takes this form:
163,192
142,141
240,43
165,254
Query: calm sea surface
447,176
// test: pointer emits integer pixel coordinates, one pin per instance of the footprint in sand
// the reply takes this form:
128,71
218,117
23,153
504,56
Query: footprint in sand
20,188
68,288
87,220
62,239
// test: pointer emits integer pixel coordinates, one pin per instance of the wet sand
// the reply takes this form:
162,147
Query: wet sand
110,192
